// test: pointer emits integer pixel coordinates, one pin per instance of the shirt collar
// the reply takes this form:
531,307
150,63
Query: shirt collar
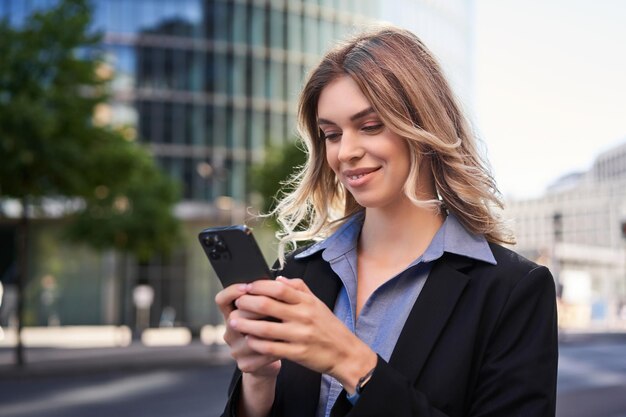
451,237
339,243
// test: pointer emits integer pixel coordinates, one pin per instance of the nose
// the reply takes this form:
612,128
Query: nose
350,147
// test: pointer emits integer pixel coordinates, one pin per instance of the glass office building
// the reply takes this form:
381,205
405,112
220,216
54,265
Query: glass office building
208,85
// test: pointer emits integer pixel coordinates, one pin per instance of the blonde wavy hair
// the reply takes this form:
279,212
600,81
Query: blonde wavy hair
405,86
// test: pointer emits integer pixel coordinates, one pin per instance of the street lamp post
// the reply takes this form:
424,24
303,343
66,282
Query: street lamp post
557,238
622,306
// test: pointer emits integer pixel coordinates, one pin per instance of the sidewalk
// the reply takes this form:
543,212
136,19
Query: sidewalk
48,361
577,337
41,362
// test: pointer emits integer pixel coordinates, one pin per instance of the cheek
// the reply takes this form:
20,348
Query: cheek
405,159
401,166
331,157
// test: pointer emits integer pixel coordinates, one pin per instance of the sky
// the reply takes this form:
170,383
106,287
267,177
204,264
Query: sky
549,87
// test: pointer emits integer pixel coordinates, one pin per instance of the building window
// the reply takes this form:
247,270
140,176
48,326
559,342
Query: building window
195,69
145,120
276,80
294,78
197,123
257,27
168,122
238,80
239,27
257,132
278,27
220,74
257,77
221,19
294,29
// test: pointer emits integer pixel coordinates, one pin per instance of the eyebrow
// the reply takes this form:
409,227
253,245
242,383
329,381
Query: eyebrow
354,117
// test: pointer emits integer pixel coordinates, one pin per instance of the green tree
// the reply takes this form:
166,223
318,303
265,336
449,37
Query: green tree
135,217
270,177
52,78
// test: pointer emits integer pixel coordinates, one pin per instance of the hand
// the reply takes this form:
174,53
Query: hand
308,332
248,360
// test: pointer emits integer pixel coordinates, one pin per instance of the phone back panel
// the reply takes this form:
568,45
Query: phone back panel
234,254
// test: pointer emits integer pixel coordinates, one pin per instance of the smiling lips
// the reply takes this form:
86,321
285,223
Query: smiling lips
359,176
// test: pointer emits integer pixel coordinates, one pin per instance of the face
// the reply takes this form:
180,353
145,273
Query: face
370,160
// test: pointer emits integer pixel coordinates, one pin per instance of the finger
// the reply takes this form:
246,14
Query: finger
264,329
246,315
239,313
233,338
275,289
295,283
225,298
270,348
265,306
237,342
300,353
239,347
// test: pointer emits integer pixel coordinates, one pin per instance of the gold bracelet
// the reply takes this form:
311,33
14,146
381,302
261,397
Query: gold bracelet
363,380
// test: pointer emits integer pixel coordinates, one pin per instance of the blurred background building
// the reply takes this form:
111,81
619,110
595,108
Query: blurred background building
207,85
578,228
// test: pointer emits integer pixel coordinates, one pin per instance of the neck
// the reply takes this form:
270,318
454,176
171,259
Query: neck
404,231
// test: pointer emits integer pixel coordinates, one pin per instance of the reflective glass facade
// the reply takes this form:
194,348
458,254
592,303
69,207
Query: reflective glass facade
210,83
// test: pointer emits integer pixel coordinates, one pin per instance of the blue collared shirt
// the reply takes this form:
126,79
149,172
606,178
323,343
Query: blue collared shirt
375,326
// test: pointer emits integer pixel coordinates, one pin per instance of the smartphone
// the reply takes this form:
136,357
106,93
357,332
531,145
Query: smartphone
234,254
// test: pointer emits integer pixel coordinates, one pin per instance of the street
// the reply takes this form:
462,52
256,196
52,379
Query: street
592,379
592,383
183,392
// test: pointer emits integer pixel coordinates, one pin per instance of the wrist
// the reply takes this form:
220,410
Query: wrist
354,397
363,380
356,372
257,395
258,380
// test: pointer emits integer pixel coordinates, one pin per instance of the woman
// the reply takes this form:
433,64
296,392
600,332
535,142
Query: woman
406,305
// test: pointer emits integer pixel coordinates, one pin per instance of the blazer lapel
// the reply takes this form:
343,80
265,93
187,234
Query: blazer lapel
318,276
429,315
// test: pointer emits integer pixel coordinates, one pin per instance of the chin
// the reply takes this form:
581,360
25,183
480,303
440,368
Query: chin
376,201
371,203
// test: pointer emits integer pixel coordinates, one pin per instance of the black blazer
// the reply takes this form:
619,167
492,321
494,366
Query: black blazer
481,340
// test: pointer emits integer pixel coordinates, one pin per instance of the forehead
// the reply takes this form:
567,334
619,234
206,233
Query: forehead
341,98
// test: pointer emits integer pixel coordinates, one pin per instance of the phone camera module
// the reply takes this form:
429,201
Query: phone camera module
217,249
211,240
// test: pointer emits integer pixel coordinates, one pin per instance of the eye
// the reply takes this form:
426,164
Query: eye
373,127
331,136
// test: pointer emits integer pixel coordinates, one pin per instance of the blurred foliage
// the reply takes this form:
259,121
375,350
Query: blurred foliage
269,179
136,218
53,78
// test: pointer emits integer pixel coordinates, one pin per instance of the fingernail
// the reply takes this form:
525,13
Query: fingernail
233,323
243,287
